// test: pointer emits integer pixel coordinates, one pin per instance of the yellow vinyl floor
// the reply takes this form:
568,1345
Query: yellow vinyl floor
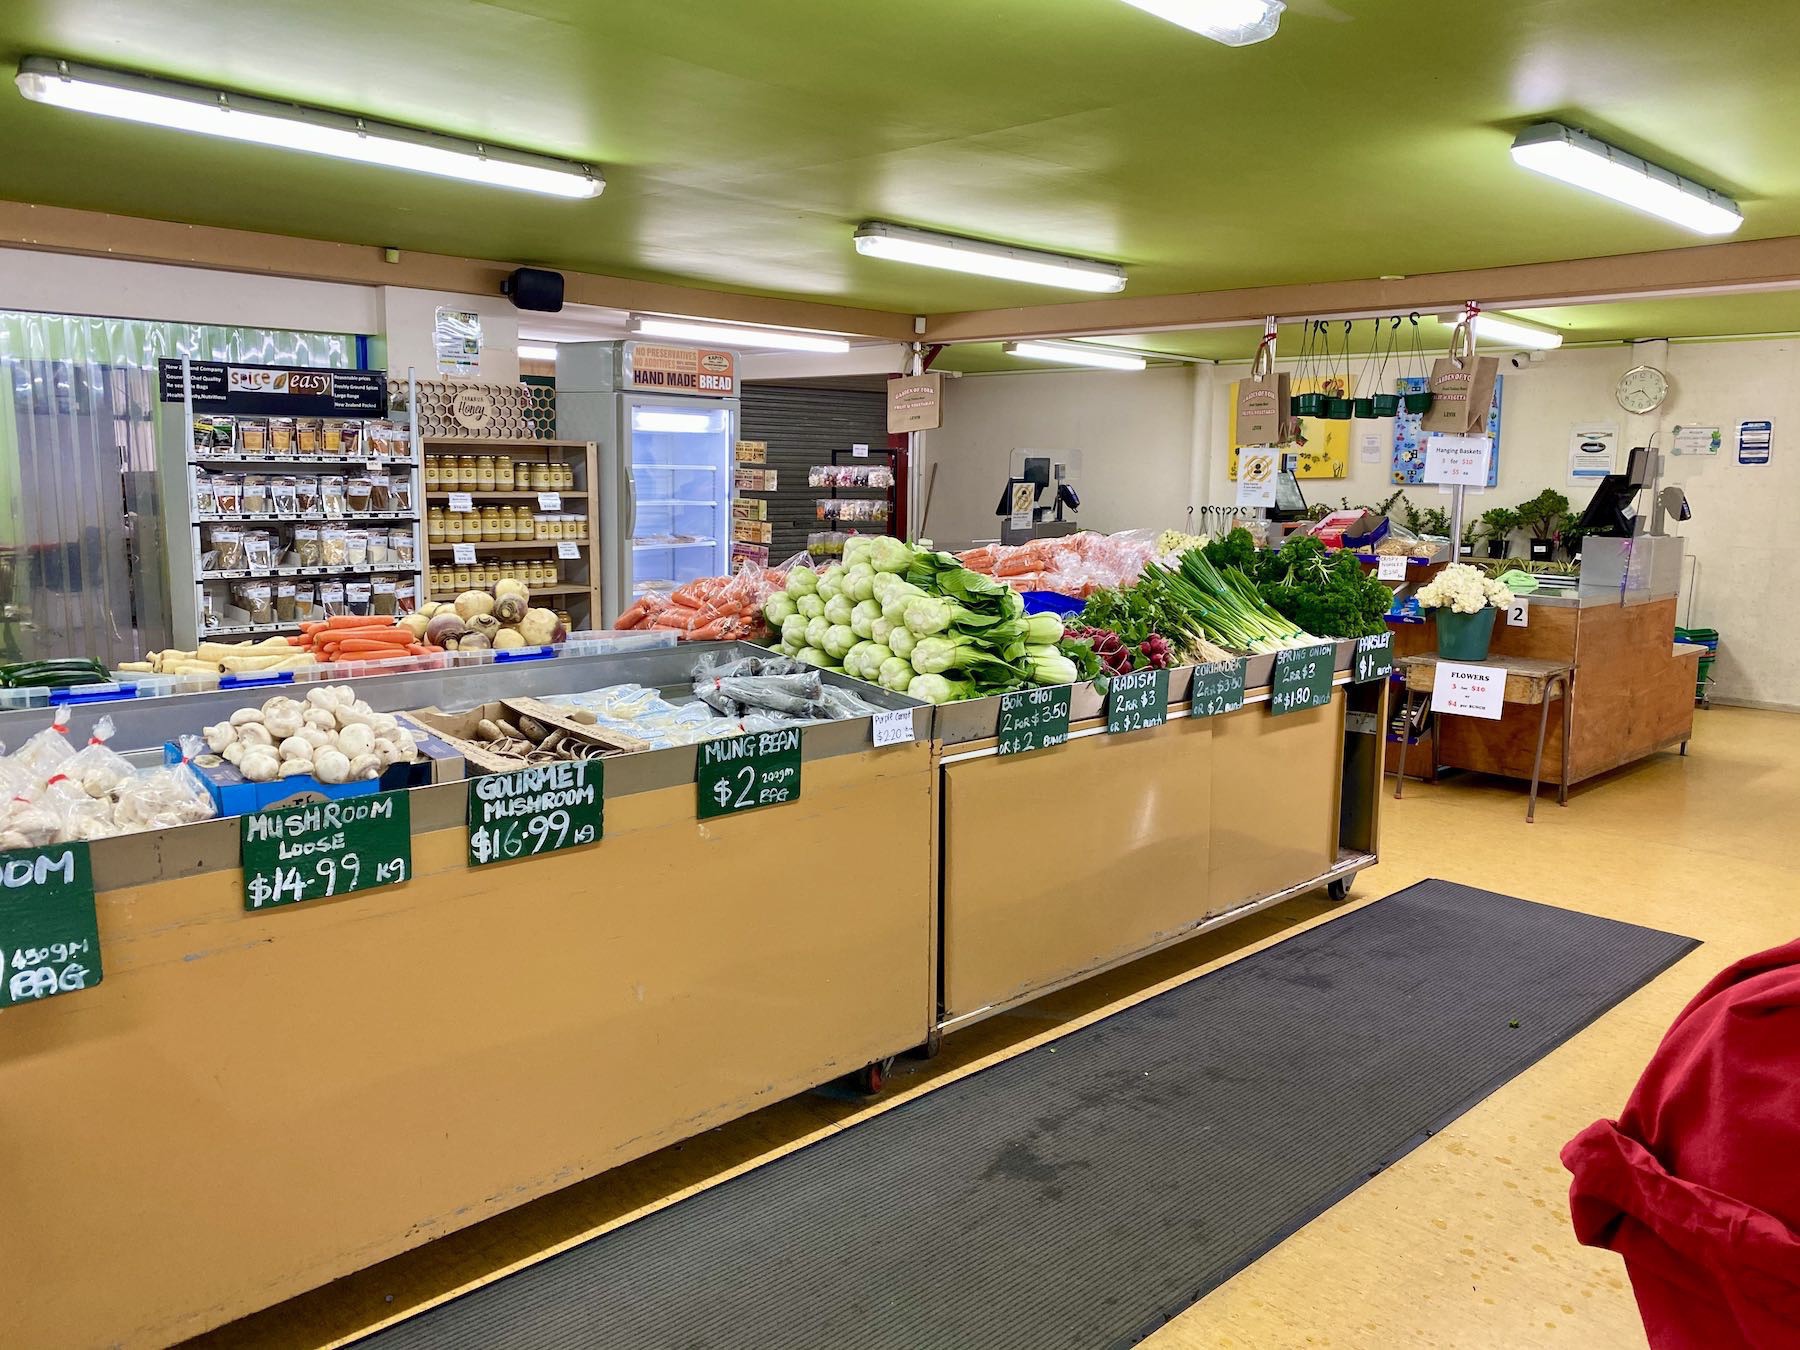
1463,1243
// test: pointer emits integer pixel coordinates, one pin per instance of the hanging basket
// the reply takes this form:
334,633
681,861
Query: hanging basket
1384,405
1363,409
1421,401
1337,409
1465,637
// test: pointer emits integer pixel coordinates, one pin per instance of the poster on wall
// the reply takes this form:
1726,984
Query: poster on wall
1409,441
1685,440
1321,449
456,337
1593,450
1755,441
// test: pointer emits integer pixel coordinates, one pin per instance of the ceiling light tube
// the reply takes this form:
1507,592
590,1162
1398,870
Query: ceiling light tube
731,335
290,126
1236,23
531,351
1505,331
927,248
1076,354
1578,159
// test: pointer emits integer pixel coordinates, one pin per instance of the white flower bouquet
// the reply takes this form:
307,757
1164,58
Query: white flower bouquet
1464,590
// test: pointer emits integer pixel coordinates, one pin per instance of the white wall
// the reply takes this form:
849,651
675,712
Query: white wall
408,318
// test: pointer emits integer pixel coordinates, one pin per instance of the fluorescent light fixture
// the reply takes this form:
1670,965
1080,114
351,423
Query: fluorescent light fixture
653,419
1076,354
531,351
1236,23
731,335
1577,158
1505,331
290,126
927,248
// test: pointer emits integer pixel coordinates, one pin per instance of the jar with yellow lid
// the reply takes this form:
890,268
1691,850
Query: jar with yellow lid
484,472
490,524
453,528
431,472
542,573
503,473
553,527
434,525
462,581
508,523
568,477
466,475
540,477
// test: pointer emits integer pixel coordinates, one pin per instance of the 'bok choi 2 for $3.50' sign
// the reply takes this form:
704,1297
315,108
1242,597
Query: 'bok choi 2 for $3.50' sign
741,773
322,849
534,810
49,934
1034,719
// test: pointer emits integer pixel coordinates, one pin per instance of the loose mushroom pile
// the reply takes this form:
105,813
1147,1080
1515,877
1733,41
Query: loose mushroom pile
333,736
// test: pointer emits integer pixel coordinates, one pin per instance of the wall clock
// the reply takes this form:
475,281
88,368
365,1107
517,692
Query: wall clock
1642,389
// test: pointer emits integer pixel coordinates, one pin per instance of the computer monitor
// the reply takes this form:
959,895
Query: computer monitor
1290,502
1637,467
1608,514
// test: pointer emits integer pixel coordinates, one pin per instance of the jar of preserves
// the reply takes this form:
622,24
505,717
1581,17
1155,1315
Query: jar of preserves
508,523
490,524
540,477
462,581
553,527
434,525
431,472
503,473
484,472
453,527
466,475
568,477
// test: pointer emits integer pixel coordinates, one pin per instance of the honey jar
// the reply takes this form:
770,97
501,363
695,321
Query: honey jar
540,478
466,474
484,473
453,527
431,472
490,524
503,473
434,525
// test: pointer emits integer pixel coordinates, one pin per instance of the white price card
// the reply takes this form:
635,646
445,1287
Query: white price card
1468,690
861,452
372,465
894,727
549,501
461,502
1256,478
1390,567
1518,613
1457,460
462,553
565,549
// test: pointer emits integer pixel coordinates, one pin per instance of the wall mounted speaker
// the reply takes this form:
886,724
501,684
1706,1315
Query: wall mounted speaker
534,288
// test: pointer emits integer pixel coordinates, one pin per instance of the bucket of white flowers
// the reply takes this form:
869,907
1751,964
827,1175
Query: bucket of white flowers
1465,600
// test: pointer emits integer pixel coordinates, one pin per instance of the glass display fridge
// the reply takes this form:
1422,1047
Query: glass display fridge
664,419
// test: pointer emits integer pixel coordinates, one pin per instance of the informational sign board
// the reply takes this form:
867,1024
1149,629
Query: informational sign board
287,391
1034,719
1686,440
1755,441
1390,567
1024,495
1218,688
534,810
1457,461
915,403
893,727
325,849
1302,678
462,554
741,773
461,503
1468,690
1256,477
49,933
1137,700
567,550
456,339
1593,449
667,369
1373,659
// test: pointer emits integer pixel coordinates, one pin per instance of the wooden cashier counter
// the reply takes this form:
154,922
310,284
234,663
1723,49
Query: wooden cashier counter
1633,684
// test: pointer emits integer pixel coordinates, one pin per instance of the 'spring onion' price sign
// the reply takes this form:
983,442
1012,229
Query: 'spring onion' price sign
1302,678
535,810
49,934
1136,701
741,773
1374,658
324,849
1218,688
1034,719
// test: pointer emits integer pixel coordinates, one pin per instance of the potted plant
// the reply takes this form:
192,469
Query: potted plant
1541,515
1570,534
1464,601
1498,524
1470,533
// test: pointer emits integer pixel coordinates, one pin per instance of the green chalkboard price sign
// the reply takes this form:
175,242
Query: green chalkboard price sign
741,773
1374,659
1302,678
535,810
49,934
323,849
1137,700
1034,719
1218,688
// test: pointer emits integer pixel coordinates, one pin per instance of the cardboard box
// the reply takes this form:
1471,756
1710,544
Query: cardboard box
753,531
756,480
459,730
752,452
756,553
750,509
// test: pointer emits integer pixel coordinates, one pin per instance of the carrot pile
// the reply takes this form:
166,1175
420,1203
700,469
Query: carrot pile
711,609
1076,565
355,637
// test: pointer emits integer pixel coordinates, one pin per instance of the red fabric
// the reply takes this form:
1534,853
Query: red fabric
1697,1184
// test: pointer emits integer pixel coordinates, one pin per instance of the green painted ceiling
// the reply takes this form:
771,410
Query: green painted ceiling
742,139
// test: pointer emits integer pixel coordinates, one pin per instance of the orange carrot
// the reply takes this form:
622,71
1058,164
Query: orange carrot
359,621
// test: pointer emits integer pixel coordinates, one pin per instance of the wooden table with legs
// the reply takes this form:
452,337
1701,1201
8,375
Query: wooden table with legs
1528,681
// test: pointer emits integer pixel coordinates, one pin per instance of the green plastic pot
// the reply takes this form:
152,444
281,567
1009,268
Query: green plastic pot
1386,405
1418,403
1465,637
1336,410
1364,409
1309,405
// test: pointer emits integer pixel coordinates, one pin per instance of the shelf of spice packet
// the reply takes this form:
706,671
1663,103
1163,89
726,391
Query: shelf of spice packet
299,461
311,517
328,570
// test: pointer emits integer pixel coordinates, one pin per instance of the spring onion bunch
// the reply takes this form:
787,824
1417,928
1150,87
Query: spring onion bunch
1225,604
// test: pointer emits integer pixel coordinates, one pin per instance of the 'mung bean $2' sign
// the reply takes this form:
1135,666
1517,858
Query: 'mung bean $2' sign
534,810
740,773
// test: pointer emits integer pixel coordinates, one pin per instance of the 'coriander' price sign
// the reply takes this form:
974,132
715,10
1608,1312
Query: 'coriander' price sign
1374,659
741,773
536,810
1302,678
1218,688
49,935
1137,700
322,849
1034,719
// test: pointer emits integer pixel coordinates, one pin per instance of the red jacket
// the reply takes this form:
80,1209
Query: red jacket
1697,1184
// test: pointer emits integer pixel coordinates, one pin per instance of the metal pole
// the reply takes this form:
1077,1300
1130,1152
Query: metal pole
1470,310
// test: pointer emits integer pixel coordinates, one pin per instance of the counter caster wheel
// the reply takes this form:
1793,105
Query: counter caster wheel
1338,890
933,1043
872,1078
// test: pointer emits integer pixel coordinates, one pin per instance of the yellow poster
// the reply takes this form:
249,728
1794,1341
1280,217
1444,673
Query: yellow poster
1321,449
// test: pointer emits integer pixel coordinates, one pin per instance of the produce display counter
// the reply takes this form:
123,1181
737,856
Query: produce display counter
249,1104
1061,862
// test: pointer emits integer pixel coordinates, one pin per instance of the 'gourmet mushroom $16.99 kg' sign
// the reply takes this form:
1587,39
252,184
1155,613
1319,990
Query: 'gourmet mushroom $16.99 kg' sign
534,810
740,773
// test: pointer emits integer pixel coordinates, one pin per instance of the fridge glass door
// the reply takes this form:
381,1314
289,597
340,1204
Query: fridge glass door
680,485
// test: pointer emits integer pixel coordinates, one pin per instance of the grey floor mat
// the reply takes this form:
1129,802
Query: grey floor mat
1083,1193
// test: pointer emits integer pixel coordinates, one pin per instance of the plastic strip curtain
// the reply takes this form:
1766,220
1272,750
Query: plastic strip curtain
82,570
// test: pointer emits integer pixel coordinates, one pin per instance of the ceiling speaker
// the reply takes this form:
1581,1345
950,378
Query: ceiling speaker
534,288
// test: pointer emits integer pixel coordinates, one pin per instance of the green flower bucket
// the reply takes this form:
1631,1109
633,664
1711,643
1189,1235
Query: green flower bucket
1364,409
1465,637
1386,405
1418,403
1337,410
1309,405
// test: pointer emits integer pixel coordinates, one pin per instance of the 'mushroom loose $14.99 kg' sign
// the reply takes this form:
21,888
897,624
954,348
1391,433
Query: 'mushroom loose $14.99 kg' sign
741,773
322,849
534,810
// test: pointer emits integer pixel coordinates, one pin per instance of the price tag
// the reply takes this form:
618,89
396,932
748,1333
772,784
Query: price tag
1034,719
1468,690
1256,478
549,501
1390,567
1455,460
462,553
536,810
1518,613
1374,658
741,773
1136,701
461,503
372,466
322,849
1218,688
49,934
1302,678
564,549
894,727
860,451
